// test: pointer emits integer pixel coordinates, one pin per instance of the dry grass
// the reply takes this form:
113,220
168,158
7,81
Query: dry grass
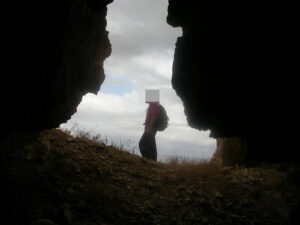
182,167
190,168
80,133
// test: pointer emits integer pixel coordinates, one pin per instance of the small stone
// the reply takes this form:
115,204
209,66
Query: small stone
70,139
29,156
70,191
43,222
68,215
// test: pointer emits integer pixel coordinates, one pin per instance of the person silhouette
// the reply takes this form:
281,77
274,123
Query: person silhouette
147,142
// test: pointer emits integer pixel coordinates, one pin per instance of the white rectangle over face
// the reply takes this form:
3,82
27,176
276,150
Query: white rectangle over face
152,96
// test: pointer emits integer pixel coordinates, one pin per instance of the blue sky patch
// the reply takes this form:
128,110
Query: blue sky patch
116,85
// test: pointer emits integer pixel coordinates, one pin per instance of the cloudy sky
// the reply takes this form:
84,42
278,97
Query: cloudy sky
142,55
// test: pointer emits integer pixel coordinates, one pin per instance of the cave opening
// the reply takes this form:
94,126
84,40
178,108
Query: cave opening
142,55
55,52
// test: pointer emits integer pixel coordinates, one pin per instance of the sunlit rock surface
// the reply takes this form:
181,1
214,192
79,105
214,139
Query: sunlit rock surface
230,151
233,70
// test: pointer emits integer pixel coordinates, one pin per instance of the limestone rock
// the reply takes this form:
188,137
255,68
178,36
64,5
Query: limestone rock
230,151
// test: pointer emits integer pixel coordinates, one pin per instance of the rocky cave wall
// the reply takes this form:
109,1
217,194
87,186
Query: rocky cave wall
54,53
231,68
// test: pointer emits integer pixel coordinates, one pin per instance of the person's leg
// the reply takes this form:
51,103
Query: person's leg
147,146
152,147
143,145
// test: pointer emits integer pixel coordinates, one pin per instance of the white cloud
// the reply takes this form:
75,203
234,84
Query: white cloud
143,48
136,26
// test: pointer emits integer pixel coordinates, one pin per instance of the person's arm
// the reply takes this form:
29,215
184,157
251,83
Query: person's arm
150,125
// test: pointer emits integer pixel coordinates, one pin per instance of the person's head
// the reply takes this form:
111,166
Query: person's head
152,96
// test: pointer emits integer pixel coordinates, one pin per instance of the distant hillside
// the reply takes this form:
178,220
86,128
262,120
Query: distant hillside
54,178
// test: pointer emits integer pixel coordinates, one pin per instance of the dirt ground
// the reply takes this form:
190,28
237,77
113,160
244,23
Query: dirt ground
54,178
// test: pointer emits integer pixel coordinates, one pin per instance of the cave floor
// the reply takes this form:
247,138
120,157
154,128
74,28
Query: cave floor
60,179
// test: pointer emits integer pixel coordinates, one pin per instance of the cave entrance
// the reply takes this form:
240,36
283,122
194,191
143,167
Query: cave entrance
142,55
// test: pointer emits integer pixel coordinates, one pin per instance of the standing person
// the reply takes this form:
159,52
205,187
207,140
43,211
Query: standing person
147,143
156,120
